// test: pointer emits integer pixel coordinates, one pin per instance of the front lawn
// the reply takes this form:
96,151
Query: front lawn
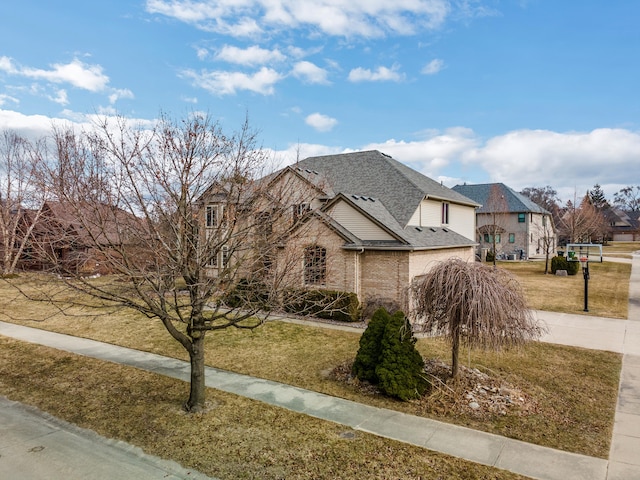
608,288
236,438
575,389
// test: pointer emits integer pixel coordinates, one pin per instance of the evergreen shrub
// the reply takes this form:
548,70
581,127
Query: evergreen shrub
573,267
559,263
368,356
248,293
401,368
387,357
329,304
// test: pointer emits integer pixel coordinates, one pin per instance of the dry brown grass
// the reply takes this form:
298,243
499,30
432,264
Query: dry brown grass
608,288
620,249
577,401
236,439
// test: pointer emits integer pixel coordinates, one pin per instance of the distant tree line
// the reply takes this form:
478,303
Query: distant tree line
587,218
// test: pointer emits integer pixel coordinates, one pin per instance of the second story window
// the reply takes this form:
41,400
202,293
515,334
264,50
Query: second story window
299,210
264,224
213,215
445,213
522,218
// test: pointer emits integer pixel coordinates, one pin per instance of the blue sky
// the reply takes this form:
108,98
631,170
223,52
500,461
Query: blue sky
528,92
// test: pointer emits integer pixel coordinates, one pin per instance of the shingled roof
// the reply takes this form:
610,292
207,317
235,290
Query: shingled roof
516,202
374,174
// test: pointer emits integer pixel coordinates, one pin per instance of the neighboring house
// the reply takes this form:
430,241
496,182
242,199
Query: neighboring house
65,238
521,227
623,226
365,223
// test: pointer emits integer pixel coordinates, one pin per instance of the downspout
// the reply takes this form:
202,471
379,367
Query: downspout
527,240
358,273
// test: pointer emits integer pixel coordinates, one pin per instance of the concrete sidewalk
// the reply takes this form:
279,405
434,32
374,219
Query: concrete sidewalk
527,459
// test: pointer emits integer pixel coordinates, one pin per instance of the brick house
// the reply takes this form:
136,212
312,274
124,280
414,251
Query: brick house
64,238
521,228
365,223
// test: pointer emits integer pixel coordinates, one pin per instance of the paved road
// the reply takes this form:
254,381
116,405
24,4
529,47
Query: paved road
100,456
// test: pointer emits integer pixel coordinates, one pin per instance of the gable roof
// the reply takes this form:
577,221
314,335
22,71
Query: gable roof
376,175
104,224
516,202
406,238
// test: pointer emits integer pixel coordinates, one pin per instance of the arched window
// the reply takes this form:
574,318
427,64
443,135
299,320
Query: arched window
315,265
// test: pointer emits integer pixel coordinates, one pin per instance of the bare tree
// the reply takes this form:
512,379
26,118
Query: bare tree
473,305
546,197
21,197
497,213
628,198
182,217
583,222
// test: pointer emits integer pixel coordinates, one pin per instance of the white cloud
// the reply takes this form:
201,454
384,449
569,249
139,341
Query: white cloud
381,74
33,127
7,98
569,161
253,55
75,73
433,67
433,153
310,73
7,65
60,97
202,53
120,93
228,83
320,122
345,18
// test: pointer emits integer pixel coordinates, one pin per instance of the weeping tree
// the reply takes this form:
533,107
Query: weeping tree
176,216
472,305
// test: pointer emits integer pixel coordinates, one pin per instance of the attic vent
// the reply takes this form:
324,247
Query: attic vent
419,229
372,199
314,172
445,230
307,170
364,198
355,197
433,229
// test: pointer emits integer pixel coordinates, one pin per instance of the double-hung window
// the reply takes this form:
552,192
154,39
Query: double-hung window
315,265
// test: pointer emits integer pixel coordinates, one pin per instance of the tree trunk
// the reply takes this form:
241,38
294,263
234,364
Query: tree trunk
455,350
546,261
196,400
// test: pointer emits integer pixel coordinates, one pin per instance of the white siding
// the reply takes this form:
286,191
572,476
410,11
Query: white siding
421,262
428,214
462,220
356,223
